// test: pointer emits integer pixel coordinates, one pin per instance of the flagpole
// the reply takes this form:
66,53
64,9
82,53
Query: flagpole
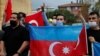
92,49
84,24
42,7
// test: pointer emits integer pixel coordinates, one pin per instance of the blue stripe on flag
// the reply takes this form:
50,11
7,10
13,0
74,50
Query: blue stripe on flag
64,33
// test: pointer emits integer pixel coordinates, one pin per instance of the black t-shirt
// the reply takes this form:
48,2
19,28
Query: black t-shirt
13,38
95,34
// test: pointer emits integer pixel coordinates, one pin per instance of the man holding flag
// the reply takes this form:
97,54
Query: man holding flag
58,41
93,33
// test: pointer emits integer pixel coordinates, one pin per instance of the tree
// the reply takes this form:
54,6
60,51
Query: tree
97,6
70,18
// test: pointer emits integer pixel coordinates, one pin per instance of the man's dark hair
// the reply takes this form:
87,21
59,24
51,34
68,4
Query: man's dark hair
15,13
61,15
93,13
55,16
22,13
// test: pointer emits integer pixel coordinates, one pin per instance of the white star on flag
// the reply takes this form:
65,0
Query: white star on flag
65,50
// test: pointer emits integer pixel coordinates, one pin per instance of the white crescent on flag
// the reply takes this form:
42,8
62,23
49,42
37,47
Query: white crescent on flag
51,48
34,21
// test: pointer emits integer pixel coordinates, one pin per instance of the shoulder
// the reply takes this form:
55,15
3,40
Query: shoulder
6,28
23,28
88,29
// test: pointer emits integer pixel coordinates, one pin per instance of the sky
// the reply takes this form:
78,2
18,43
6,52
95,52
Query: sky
49,3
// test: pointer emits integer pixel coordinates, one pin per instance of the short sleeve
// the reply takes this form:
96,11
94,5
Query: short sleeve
1,34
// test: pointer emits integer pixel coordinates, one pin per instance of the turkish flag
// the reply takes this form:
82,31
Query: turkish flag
8,11
35,19
82,46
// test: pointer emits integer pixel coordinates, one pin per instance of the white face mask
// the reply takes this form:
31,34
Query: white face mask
59,23
92,24
54,21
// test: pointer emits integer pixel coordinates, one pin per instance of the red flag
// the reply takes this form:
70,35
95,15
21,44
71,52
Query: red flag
8,11
35,19
82,45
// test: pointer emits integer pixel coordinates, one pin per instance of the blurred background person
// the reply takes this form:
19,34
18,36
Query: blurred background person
22,17
54,17
60,20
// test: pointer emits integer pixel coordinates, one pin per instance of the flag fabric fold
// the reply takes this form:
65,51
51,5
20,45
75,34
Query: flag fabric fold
82,42
96,49
35,19
56,41
8,11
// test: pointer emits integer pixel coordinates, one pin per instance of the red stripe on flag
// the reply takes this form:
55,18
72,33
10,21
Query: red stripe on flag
50,48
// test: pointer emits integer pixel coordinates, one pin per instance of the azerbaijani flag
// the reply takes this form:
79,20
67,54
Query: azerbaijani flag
57,41
96,49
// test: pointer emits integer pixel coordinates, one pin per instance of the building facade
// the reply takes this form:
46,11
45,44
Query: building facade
17,6
76,6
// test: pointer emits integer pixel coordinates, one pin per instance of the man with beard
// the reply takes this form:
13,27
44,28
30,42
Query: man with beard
16,38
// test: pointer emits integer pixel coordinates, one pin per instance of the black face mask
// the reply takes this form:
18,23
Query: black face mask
13,23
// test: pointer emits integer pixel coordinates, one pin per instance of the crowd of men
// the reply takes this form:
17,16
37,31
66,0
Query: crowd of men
14,38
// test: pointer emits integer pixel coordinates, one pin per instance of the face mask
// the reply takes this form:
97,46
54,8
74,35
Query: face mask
54,21
13,23
92,24
59,23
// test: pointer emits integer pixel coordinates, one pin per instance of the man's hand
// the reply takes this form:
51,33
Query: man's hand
16,54
91,39
78,13
2,53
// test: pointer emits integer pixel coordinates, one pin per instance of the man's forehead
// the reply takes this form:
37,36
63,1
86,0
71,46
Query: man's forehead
94,15
60,17
14,15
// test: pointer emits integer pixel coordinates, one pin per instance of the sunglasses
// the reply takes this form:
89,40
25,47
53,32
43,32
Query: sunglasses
92,18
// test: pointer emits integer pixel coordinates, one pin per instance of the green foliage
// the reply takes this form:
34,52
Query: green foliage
97,6
68,16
